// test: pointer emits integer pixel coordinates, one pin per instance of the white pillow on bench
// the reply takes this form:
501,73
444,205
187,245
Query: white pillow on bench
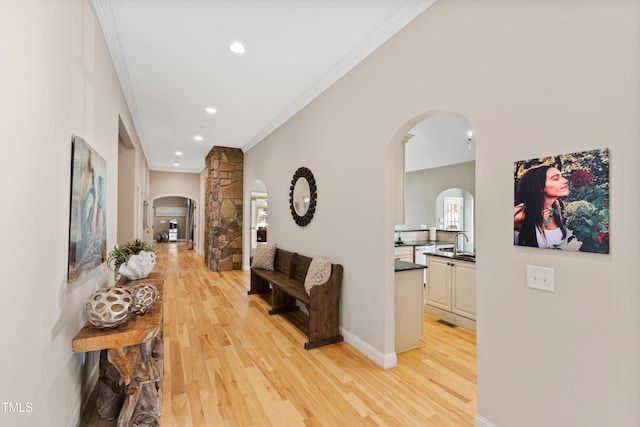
264,256
319,272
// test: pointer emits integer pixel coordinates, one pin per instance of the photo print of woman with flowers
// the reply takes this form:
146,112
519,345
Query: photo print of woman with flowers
562,202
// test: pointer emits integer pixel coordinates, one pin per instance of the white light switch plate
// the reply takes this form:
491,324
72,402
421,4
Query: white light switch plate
540,278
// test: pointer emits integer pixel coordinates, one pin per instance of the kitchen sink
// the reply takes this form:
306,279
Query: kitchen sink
465,256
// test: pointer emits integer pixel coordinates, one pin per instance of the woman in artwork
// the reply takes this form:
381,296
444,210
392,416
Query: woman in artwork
537,217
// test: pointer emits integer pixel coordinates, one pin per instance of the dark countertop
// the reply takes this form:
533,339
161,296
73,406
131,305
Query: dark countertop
410,230
460,257
406,266
418,243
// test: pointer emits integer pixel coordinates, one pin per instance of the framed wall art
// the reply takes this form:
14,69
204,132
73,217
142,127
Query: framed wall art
562,202
87,221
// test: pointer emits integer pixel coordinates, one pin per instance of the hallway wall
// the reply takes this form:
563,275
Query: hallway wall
56,80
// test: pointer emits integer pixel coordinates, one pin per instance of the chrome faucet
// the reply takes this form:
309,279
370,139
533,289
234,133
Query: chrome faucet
455,244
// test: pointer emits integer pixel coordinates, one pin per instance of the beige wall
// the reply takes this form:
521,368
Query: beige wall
126,193
533,78
133,188
422,188
56,80
175,184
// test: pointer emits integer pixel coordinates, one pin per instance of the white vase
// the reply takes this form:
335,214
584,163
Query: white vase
139,266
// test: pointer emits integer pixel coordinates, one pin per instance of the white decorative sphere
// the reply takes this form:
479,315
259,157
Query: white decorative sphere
109,307
144,298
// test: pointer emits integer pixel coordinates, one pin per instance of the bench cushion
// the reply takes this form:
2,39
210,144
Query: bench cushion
319,272
264,256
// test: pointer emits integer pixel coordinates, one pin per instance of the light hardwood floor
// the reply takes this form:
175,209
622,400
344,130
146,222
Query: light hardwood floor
228,363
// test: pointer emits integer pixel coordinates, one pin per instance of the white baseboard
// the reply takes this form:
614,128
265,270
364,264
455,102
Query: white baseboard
386,361
85,394
480,421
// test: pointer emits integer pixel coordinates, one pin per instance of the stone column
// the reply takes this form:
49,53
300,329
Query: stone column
223,209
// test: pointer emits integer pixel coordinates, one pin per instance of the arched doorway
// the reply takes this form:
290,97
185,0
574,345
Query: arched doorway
175,218
256,199
434,174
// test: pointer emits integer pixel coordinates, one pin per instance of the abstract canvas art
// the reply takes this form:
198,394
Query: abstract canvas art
562,202
87,222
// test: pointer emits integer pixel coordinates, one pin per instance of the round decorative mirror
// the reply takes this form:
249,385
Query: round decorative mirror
303,196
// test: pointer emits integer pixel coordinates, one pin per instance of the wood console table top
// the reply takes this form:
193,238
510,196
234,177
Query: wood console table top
137,329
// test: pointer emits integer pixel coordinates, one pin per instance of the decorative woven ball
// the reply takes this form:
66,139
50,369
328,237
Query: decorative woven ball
144,298
109,307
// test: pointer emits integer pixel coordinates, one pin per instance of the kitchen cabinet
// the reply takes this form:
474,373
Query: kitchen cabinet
451,290
463,290
404,253
409,314
439,273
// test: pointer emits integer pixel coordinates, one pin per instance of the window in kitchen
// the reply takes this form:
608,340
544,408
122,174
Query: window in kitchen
453,213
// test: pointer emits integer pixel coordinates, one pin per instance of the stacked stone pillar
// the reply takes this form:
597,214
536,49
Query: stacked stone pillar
223,209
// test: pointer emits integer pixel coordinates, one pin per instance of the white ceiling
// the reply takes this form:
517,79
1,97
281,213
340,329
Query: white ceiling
173,60
439,140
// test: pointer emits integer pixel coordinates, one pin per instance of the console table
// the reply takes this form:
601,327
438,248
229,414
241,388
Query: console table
131,363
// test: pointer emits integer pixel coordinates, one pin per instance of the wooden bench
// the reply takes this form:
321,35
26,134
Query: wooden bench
283,286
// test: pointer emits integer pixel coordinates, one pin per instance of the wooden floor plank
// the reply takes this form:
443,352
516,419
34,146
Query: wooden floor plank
229,363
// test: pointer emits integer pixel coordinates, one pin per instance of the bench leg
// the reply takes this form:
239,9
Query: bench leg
258,285
324,318
282,302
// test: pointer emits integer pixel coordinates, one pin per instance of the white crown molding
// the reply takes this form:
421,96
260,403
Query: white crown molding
110,31
394,24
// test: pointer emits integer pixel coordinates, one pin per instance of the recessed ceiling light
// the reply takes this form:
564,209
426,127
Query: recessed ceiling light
198,138
210,110
237,47
176,163
178,153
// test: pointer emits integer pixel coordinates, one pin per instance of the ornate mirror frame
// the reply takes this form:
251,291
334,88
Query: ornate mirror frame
305,219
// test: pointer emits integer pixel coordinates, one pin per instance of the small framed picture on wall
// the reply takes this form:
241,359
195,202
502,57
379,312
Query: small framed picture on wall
562,202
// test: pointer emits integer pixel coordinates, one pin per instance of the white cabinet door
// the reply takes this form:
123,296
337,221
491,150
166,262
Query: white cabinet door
439,282
404,253
464,289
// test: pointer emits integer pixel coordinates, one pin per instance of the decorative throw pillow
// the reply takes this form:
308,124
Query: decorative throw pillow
264,256
319,272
